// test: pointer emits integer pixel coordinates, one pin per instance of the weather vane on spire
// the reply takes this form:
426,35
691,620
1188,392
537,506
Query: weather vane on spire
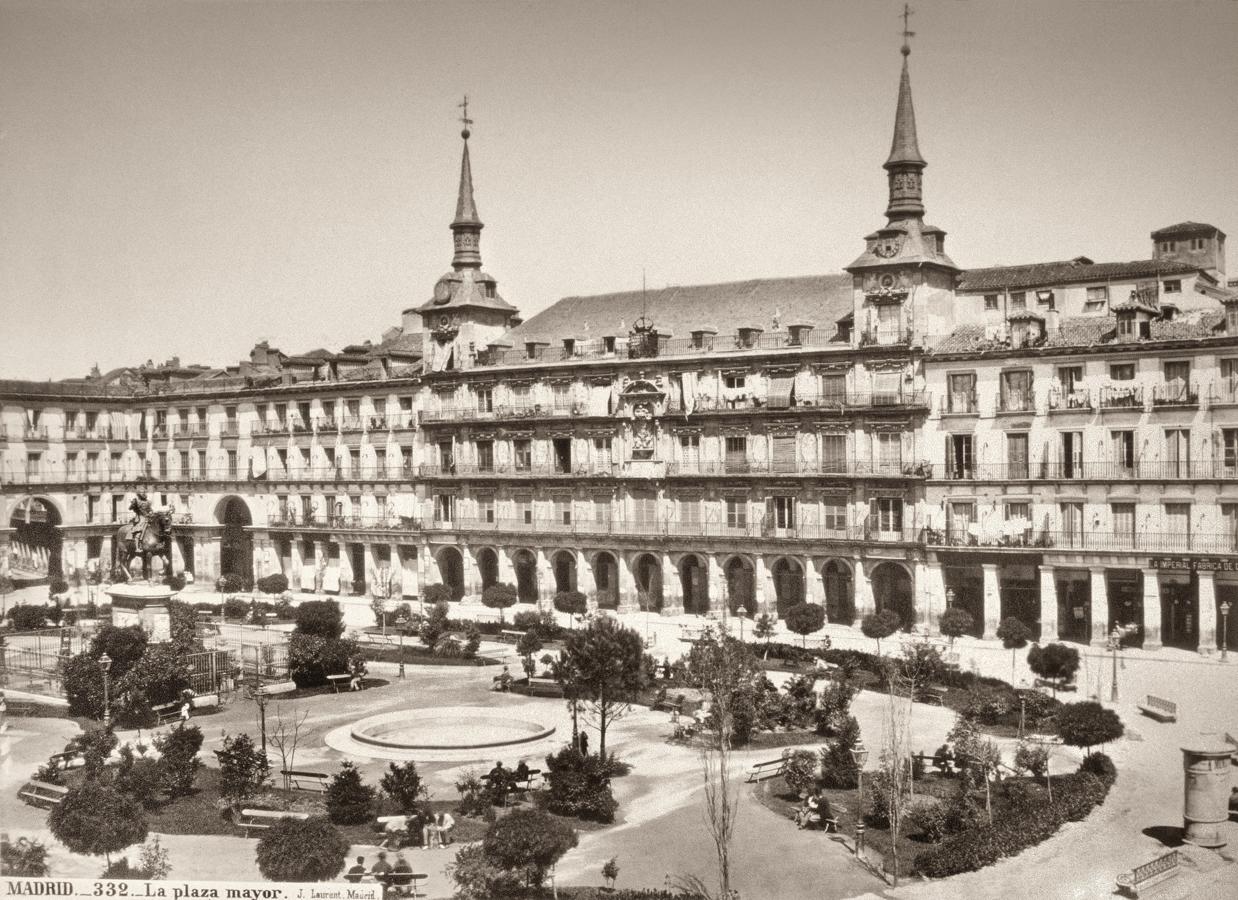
908,34
464,116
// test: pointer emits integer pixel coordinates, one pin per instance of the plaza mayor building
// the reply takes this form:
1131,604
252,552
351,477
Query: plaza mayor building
1056,441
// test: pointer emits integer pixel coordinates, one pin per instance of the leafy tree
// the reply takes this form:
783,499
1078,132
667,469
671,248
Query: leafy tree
528,841
243,769
403,784
435,624
956,622
437,593
124,646
183,623
530,642
834,707
763,629
23,858
838,768
727,671
500,596
610,872
97,819
1033,759
302,850
350,801
311,658
800,771
804,619
1014,635
153,860
573,603
1055,662
1087,724
880,625
95,745
138,778
478,877
178,759
159,676
320,618
606,665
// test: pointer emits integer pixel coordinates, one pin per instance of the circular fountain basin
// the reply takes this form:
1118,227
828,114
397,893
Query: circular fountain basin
449,728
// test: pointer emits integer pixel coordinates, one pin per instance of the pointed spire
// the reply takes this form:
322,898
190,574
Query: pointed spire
905,164
466,227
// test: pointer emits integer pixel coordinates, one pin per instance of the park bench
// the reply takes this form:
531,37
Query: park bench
767,769
68,759
526,784
1159,708
932,695
827,823
278,687
264,818
42,792
336,680
306,781
1054,684
1140,877
167,712
666,704
510,636
544,687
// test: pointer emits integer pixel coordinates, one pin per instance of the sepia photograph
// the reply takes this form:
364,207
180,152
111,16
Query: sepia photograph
598,450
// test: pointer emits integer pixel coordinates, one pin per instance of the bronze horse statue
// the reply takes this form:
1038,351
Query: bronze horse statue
156,541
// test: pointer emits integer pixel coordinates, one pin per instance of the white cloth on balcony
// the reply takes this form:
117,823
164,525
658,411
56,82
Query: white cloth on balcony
688,382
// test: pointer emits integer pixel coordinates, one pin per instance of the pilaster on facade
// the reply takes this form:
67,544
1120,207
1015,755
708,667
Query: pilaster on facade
992,601
1100,606
1207,604
1048,604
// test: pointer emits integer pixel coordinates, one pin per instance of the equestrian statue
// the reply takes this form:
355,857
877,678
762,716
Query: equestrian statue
147,534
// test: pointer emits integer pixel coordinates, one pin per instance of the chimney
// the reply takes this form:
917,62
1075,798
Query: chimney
410,321
798,334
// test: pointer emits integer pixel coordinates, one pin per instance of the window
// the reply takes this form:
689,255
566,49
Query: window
890,452
1122,372
835,512
1231,318
1167,246
736,512
601,454
783,511
1126,324
561,396
563,510
961,396
1016,455
522,454
524,510
990,301
833,387
1072,454
736,453
889,517
232,470
1177,452
783,453
1178,521
446,457
1123,444
485,456
959,449
485,400
690,511
1178,371
962,516
1070,518
1229,451
833,453
690,450
734,382
1019,513
444,507
563,455
1045,300
1016,391
601,510
1018,300
230,419
1070,377
485,509
1197,243
645,508
1123,516
34,464
1097,297
1173,286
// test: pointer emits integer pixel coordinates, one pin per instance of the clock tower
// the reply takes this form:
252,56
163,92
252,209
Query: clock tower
466,312
903,281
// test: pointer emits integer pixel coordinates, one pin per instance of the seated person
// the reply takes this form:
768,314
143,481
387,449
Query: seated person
395,829
503,681
809,811
443,824
357,872
499,779
417,819
521,775
401,876
382,869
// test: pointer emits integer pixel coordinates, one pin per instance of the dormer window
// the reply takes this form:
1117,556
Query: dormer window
1018,300
608,343
1044,299
1173,286
1097,297
1197,243
991,301
1231,318
1126,324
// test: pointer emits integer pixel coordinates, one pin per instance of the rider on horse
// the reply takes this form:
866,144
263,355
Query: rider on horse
142,512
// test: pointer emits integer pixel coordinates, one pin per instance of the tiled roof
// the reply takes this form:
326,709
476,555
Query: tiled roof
817,300
1082,332
1183,228
999,278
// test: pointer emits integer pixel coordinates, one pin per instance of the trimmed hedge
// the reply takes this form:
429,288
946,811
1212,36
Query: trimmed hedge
1074,797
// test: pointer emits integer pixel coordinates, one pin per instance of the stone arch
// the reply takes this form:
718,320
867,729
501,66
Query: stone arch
647,573
36,539
236,544
788,578
563,565
487,566
839,584
451,570
892,589
741,584
606,580
694,582
524,562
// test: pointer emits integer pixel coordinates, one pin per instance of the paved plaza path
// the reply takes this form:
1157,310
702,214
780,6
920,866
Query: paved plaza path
661,828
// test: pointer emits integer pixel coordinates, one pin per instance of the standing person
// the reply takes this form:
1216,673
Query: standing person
584,743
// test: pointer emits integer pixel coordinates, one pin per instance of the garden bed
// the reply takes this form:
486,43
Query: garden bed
417,655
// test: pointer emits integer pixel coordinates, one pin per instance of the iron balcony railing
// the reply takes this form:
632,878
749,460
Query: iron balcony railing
1123,397
1012,401
503,412
1061,400
1225,468
511,470
1175,393
894,469
959,403
1102,541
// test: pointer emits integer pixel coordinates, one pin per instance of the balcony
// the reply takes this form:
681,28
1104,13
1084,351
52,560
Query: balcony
1140,470
885,335
1175,393
959,403
1124,397
1141,542
1016,402
504,412
1077,400
834,401
81,433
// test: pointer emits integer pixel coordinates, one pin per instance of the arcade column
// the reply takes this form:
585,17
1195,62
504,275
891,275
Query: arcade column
717,584
507,571
814,587
472,577
992,601
761,588
627,586
545,580
672,588
1100,607
1151,609
586,581
1048,604
1207,606
864,603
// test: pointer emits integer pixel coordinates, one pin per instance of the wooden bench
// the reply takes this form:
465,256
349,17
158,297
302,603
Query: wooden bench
336,680
674,707
1140,877
42,792
167,712
544,687
1159,708
69,759
264,818
1054,684
306,781
770,768
509,636
277,687
934,696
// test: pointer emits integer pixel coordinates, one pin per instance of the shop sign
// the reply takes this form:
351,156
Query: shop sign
1182,564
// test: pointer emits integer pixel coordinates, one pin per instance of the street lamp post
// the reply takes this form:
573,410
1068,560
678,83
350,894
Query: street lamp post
1115,641
402,622
860,755
105,663
1225,607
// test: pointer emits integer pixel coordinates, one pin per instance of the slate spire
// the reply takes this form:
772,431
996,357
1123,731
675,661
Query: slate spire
466,227
905,164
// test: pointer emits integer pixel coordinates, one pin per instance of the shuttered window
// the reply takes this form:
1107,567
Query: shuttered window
736,453
833,453
784,453
780,389
645,508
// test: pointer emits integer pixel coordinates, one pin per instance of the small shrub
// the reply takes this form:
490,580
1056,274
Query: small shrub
243,769
23,858
834,707
437,593
301,850
931,819
97,819
235,608
528,841
349,800
800,771
805,618
1100,765
573,603
838,768
956,622
473,795
178,759
177,581
403,784
500,596
435,624
284,608
1087,724
320,618
472,641
138,779
478,877
28,617
1054,662
275,583
880,625
1033,759
579,786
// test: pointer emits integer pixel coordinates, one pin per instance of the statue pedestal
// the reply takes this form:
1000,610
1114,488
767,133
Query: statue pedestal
142,604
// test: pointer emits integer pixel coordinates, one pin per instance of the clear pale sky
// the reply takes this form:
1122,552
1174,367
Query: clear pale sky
191,177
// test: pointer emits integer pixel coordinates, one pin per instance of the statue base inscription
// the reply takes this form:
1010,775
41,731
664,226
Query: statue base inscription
145,605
